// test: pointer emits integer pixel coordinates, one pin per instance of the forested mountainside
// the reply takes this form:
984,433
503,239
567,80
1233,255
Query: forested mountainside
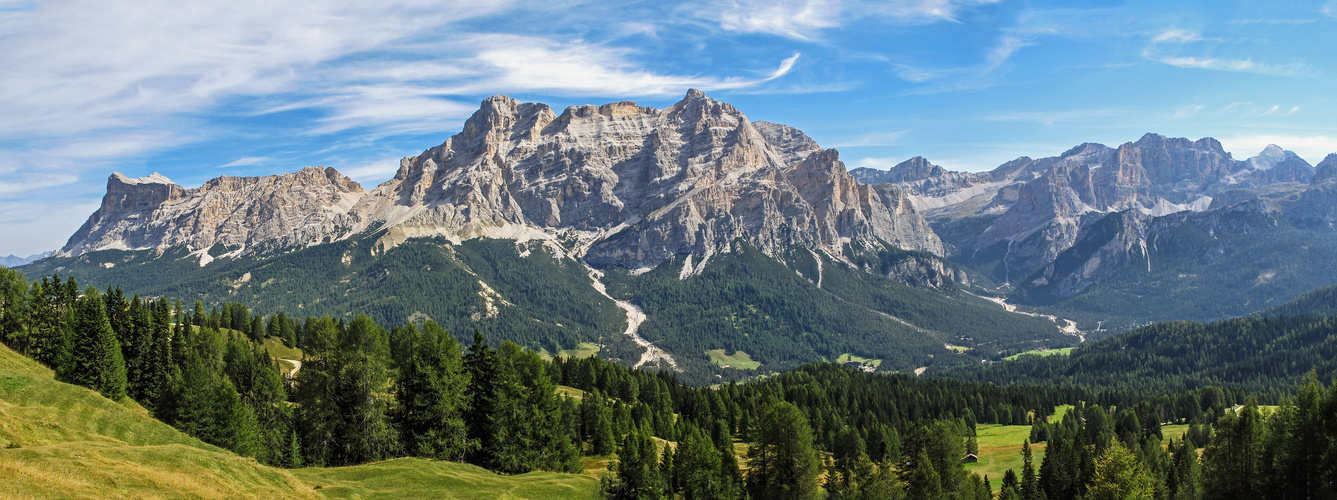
808,307
1261,354
363,393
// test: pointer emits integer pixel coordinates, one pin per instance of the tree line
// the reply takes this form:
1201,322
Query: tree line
366,393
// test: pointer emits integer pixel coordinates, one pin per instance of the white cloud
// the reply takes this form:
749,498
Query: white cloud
371,173
1186,40
1176,36
1052,118
24,183
798,19
521,63
923,11
1330,9
392,109
973,77
1310,147
243,162
83,65
873,139
806,19
876,162
34,226
1240,65
1187,111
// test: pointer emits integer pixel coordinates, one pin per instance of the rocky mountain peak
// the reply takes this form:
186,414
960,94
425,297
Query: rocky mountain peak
292,209
1326,170
634,186
1269,157
792,143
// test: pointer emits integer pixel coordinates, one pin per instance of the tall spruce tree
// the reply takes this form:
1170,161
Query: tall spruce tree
783,463
1233,460
363,383
14,309
430,391
95,355
637,469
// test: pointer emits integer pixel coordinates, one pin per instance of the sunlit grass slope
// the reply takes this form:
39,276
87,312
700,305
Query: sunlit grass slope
418,478
74,443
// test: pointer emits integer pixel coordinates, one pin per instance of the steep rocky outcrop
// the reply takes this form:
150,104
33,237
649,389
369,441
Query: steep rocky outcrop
295,209
1317,205
633,186
1108,245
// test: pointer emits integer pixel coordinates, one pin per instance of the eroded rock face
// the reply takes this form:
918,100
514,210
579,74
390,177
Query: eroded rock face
639,185
295,209
1317,205
633,185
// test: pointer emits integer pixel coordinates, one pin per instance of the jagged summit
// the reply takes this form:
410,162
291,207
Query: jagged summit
294,209
634,185
1270,156
155,178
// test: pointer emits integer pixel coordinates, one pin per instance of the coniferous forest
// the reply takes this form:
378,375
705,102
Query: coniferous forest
362,392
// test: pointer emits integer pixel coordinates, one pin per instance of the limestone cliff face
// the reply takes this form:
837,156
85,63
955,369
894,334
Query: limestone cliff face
632,186
639,185
295,209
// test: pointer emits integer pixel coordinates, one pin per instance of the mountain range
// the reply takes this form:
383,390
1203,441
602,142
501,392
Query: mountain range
690,238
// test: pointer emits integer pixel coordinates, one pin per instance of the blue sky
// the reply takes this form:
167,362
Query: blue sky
200,89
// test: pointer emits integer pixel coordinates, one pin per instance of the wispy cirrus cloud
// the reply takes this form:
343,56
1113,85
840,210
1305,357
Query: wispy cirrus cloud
1171,45
806,19
244,162
798,19
872,139
522,63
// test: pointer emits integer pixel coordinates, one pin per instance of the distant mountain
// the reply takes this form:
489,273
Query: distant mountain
1115,236
12,260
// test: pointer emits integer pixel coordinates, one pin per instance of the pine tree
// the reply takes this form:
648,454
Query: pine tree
783,463
95,355
1232,462
14,309
49,339
317,396
1030,489
294,454
637,469
237,429
160,360
1119,476
696,467
923,480
430,392
484,373
365,432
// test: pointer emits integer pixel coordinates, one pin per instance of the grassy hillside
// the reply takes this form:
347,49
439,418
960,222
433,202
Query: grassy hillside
419,478
63,441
